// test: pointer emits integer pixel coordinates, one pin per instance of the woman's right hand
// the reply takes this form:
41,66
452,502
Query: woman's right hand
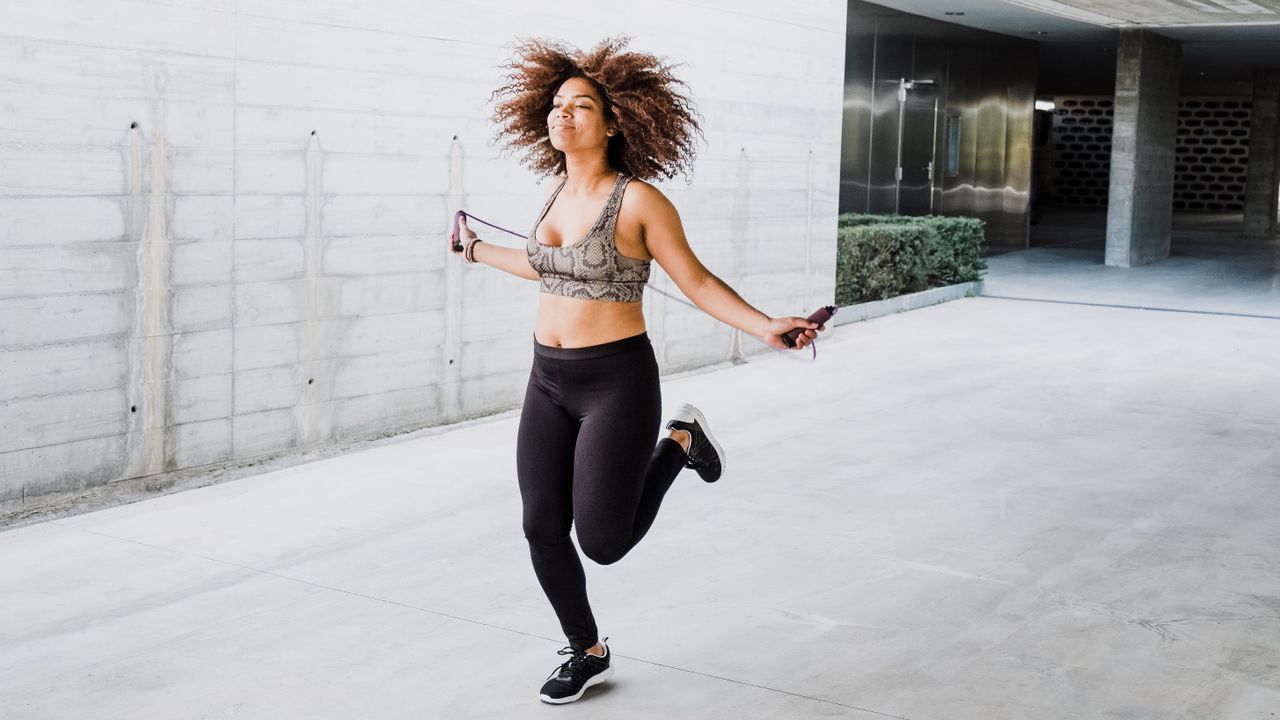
777,327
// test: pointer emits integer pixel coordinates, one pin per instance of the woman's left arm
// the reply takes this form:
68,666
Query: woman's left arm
664,239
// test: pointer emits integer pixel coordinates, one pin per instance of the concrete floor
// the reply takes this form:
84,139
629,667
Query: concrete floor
985,509
1210,268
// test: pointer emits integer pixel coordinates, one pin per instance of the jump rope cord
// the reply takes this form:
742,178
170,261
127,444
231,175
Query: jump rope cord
650,286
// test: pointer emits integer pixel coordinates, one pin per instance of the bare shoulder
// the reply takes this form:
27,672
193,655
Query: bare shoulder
646,200
645,214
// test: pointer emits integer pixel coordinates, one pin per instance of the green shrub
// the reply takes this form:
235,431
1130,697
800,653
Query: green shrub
882,256
875,262
956,253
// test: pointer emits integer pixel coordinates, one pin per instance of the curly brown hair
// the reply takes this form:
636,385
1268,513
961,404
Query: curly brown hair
657,124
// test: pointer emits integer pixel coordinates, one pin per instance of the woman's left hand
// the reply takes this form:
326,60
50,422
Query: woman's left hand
777,327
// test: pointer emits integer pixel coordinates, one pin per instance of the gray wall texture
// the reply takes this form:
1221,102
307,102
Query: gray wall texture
221,223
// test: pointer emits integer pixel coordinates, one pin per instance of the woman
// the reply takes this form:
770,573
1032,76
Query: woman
605,122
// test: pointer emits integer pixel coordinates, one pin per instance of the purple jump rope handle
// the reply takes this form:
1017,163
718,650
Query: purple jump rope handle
822,315
457,241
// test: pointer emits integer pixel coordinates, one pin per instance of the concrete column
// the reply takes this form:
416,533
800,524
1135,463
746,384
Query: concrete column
1140,205
1262,189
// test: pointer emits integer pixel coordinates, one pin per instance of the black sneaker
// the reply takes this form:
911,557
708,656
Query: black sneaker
579,672
705,454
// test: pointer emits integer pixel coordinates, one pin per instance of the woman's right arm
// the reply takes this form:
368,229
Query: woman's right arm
507,259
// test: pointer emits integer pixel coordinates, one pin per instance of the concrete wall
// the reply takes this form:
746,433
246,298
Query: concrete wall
221,222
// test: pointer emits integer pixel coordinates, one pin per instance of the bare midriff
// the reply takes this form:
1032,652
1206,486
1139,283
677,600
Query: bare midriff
575,323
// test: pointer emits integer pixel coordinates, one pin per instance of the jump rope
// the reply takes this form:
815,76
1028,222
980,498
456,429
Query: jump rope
820,316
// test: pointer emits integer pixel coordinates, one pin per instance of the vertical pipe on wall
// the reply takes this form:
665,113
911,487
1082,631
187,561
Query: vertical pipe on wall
902,124
157,322
313,420
933,162
871,120
150,346
147,450
808,228
451,360
740,231
947,94
135,228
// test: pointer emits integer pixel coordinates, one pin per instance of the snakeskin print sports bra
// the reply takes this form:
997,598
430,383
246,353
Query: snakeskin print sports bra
591,268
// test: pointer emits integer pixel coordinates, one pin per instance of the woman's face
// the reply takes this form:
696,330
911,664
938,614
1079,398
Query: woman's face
576,120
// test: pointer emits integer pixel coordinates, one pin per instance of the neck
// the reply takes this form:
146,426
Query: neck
586,170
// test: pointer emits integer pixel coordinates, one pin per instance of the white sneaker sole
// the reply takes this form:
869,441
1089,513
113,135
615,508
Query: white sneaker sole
689,413
608,673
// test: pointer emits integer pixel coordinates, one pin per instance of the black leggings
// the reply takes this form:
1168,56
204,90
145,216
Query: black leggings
585,455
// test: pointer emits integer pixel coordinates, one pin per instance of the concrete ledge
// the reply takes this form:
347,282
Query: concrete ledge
902,303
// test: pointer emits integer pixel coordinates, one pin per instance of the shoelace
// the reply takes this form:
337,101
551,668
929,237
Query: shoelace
576,663
464,214
577,659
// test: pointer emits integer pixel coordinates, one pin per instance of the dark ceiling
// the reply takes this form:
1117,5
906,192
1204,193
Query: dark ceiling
1078,57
